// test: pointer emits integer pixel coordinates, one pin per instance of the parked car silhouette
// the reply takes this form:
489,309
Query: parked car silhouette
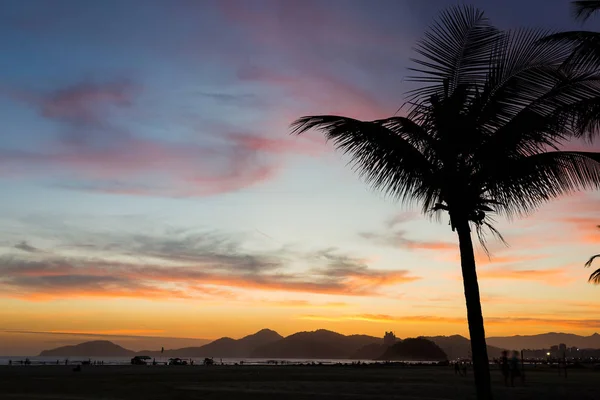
140,360
177,361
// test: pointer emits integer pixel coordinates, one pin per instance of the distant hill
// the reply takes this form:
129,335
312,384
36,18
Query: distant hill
414,349
545,341
322,344
317,344
224,347
369,352
457,346
97,348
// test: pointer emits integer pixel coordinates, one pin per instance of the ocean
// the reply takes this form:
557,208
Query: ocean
16,360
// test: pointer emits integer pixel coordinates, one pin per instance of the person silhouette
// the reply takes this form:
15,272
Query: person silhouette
514,368
504,367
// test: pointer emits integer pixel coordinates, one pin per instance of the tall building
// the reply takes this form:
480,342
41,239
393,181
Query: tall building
562,348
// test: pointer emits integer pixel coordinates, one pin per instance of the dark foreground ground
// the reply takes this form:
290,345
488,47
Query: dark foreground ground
280,382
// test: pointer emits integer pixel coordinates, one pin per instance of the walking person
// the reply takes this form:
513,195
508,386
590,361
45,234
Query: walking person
504,367
514,368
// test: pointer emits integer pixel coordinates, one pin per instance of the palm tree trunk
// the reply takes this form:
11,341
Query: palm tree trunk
481,366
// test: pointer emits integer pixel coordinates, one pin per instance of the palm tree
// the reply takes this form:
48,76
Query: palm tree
595,276
481,137
585,8
585,51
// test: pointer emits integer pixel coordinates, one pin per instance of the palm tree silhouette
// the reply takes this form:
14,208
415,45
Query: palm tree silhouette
586,51
585,8
481,137
595,276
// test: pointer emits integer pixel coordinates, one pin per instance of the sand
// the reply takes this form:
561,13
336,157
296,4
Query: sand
280,382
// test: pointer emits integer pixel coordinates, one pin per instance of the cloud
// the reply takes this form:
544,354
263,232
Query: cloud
400,218
97,149
85,103
482,259
303,304
399,239
551,276
384,318
119,333
434,319
204,265
245,99
24,246
131,166
586,227
333,67
548,322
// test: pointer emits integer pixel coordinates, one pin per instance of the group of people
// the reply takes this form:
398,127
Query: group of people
460,368
510,367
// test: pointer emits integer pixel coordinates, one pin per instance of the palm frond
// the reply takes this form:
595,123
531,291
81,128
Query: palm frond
522,185
591,260
454,51
524,71
583,9
481,235
595,277
584,118
585,47
383,152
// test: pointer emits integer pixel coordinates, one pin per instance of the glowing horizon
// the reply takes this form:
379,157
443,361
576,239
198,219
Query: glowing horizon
151,185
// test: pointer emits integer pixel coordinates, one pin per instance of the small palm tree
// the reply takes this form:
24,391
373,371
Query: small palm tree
595,276
482,136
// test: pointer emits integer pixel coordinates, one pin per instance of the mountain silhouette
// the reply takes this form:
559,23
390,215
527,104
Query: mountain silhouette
369,352
414,349
96,348
225,347
323,344
317,344
545,341
457,346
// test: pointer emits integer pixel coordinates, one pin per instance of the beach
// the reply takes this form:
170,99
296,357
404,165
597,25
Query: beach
281,382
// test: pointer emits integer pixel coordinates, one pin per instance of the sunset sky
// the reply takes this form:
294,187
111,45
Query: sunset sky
150,187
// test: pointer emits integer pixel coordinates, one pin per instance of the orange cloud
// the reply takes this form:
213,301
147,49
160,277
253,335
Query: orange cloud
548,322
111,332
303,304
383,318
482,259
433,319
45,280
553,276
587,228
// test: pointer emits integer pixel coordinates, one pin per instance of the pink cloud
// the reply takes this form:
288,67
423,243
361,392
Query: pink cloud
94,155
587,228
320,58
175,169
550,276
81,103
321,92
277,145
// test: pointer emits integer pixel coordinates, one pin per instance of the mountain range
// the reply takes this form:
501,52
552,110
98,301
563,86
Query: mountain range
322,344
545,341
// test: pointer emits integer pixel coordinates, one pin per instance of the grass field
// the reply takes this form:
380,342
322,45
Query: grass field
282,383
